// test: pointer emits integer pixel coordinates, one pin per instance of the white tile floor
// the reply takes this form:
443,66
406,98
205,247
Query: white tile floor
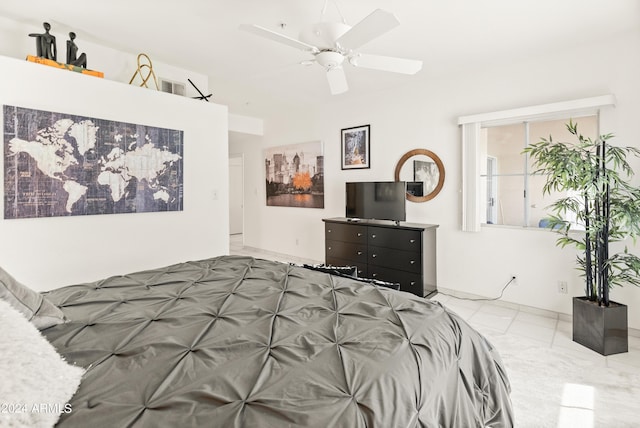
548,330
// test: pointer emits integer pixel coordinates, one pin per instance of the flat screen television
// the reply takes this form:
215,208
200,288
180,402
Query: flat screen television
380,200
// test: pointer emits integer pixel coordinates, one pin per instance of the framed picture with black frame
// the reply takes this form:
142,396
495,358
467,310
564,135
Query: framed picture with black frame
355,147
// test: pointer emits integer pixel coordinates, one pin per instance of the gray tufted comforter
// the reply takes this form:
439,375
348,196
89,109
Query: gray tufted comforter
240,342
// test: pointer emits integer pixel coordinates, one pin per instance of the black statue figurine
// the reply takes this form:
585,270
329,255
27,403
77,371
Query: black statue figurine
46,43
72,52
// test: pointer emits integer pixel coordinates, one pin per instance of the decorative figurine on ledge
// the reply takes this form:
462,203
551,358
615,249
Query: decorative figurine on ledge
72,52
202,96
144,68
46,43
47,53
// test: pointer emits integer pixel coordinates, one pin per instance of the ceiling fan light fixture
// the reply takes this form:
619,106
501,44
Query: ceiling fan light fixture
329,59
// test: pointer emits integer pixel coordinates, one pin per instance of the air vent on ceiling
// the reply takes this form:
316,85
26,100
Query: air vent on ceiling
172,87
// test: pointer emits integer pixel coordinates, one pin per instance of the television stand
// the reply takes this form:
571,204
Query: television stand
386,250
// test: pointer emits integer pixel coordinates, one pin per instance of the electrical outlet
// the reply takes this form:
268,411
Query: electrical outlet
562,287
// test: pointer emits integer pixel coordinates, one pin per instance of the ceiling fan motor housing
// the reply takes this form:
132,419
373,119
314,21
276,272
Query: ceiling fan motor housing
329,59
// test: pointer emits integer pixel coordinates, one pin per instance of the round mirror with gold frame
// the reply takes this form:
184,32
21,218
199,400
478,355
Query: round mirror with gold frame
423,172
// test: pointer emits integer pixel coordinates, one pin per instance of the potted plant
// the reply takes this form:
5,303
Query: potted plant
594,177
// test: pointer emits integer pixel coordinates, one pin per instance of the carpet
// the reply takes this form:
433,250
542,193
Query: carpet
551,388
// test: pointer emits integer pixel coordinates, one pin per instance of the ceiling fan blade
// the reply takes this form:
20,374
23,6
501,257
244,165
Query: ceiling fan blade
372,26
280,38
386,63
337,80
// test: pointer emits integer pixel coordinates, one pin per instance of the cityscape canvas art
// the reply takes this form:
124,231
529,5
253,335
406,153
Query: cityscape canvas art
295,175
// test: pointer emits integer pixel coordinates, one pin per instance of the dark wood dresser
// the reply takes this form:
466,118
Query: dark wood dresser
404,253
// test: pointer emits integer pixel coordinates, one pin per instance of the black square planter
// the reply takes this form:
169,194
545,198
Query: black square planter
600,328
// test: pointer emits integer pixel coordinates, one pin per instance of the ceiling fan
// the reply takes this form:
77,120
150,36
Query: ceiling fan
331,43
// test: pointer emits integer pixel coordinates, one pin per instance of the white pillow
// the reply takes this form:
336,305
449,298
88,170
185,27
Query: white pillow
36,384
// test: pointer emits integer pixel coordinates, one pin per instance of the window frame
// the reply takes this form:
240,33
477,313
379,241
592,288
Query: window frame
471,128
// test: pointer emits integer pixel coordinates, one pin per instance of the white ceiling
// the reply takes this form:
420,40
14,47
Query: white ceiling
251,74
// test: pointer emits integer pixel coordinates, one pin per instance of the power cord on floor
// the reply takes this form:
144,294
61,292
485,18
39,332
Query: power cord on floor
513,278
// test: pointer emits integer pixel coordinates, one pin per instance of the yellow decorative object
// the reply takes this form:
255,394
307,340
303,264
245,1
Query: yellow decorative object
148,68
56,64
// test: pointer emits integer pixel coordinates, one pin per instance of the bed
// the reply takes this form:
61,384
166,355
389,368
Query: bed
235,341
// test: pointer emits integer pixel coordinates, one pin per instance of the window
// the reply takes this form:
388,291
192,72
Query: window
498,184
511,194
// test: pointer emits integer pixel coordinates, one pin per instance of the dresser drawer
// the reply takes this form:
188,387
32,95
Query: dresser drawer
346,251
345,232
411,282
396,259
400,239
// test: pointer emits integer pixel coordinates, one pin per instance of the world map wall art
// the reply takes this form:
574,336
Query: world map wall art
58,164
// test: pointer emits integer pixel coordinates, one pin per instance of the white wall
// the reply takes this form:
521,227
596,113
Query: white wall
423,114
115,64
47,253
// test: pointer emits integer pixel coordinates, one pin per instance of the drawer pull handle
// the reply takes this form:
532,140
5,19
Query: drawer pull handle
328,230
374,275
412,283
412,240
374,255
413,262
359,253
359,234
329,248
373,236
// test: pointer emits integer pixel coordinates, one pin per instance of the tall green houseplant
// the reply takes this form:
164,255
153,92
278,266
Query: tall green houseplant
595,177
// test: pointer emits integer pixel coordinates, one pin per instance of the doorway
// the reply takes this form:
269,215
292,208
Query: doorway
236,194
